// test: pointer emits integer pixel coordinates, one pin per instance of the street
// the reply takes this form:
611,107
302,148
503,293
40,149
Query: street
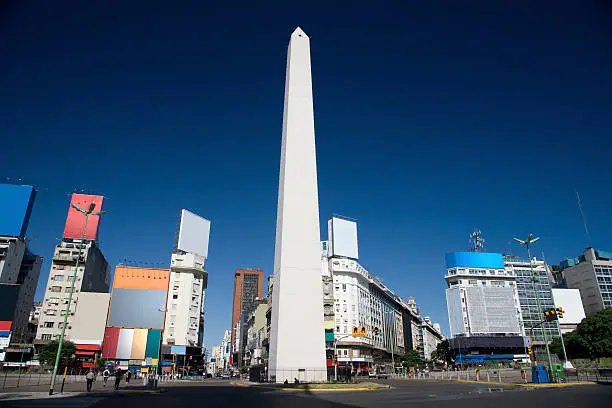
219,394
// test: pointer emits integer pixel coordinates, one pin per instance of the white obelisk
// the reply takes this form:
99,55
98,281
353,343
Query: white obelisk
297,334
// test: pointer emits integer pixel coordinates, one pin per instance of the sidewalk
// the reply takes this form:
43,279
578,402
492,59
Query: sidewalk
78,389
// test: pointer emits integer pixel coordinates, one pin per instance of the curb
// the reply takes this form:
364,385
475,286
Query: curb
385,387
556,385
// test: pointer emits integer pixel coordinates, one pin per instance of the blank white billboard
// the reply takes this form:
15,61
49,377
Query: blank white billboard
343,237
193,235
571,302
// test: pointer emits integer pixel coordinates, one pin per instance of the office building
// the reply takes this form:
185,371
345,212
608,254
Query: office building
591,273
92,274
573,311
484,309
532,277
248,287
297,343
19,272
392,325
184,325
136,317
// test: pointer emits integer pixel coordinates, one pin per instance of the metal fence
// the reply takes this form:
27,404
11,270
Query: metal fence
12,379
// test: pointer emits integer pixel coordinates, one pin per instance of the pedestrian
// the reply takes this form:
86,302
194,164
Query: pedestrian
128,376
90,378
524,376
118,375
105,375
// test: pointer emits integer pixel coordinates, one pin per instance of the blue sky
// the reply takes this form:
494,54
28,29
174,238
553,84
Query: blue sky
430,120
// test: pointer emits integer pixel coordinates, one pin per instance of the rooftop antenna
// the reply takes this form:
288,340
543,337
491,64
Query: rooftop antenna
584,221
476,241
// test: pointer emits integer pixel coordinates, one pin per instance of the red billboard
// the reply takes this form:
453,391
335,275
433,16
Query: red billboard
76,219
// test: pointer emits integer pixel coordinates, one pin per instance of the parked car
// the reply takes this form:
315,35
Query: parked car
372,374
225,376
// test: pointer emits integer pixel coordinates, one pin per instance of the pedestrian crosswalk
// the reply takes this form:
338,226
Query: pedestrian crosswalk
73,402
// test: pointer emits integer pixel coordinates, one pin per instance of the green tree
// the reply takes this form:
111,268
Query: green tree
592,338
49,351
442,352
411,359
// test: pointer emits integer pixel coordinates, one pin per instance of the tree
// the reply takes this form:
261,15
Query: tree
411,359
49,351
592,338
442,353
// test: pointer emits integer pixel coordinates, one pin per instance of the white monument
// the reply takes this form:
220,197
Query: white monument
297,334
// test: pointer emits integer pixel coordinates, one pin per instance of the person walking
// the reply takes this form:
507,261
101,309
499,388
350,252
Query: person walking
118,375
105,375
128,376
90,378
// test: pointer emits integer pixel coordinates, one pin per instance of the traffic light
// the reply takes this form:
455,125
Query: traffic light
529,350
560,312
359,331
550,315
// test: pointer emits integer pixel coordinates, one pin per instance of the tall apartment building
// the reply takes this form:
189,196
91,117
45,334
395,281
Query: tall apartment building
92,274
184,325
248,286
527,286
591,273
19,271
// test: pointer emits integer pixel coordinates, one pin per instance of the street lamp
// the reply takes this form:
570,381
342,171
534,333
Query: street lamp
527,243
89,211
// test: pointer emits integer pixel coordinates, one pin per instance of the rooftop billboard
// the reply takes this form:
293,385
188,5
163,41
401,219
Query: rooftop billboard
16,204
343,237
475,260
193,235
132,277
75,221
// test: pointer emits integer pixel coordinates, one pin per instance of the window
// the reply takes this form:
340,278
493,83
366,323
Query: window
174,296
70,278
67,289
56,288
46,337
48,325
344,287
472,282
58,278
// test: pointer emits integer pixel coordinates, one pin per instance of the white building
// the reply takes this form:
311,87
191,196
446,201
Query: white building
571,303
481,297
361,300
591,273
92,275
184,324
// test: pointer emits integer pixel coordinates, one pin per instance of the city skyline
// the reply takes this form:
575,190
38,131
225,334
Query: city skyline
427,153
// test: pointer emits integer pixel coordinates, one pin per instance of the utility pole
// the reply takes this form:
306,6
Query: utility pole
87,213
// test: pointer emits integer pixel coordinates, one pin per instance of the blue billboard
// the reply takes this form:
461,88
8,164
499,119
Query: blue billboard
475,260
16,204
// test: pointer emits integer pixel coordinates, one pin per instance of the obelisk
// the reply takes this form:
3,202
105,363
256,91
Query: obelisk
297,334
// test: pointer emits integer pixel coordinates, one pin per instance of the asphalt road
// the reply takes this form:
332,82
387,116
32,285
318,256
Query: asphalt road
221,394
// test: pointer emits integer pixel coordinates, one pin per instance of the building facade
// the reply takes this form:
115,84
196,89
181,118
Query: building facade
533,281
92,275
19,272
591,273
248,286
188,282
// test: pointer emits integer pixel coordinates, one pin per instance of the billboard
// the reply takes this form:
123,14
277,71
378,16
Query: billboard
130,277
137,308
571,302
75,221
131,344
193,235
16,204
342,235
90,318
475,260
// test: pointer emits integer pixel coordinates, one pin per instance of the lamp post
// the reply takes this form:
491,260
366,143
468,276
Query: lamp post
89,211
526,243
